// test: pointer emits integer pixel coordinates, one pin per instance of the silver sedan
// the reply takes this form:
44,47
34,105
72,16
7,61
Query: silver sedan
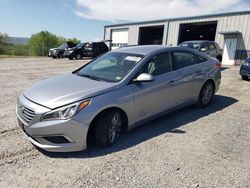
113,93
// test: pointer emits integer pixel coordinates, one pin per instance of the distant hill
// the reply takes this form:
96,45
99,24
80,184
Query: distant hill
19,40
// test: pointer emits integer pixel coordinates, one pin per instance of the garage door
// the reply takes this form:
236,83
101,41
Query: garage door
119,38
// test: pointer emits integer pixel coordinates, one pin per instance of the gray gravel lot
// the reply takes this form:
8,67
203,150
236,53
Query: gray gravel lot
190,148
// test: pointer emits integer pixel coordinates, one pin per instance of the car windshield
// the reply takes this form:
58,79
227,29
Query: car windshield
193,45
65,45
111,67
80,45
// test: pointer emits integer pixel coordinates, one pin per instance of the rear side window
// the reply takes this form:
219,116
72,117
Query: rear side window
185,59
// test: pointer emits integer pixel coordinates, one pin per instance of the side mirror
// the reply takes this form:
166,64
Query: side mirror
144,77
203,49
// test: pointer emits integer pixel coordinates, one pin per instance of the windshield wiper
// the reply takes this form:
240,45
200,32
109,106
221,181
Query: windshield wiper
90,76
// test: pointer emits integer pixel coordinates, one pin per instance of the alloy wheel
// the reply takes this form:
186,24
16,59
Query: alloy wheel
115,127
207,93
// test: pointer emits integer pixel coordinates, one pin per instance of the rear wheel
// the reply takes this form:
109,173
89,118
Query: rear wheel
206,94
108,128
78,56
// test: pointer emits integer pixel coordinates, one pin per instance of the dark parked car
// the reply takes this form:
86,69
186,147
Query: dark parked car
75,52
245,69
94,49
210,48
58,52
89,49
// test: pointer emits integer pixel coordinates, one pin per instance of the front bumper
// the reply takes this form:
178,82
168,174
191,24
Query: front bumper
45,134
245,71
53,53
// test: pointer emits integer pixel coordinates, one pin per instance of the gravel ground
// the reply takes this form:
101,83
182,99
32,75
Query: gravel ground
189,148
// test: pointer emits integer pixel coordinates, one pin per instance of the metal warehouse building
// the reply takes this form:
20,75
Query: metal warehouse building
230,30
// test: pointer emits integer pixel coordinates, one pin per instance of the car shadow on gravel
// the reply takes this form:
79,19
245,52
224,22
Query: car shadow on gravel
166,124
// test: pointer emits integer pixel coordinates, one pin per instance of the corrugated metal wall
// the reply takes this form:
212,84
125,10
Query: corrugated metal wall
224,23
133,30
230,22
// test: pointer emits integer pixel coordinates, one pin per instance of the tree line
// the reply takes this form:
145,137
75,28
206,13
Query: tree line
38,45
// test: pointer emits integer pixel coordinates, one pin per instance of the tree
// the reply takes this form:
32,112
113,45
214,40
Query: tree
41,42
4,42
62,40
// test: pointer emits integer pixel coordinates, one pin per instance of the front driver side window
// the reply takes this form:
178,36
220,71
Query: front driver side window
157,65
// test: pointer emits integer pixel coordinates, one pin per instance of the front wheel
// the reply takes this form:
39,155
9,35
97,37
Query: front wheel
108,128
206,94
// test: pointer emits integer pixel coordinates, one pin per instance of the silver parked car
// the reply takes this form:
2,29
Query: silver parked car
210,48
114,93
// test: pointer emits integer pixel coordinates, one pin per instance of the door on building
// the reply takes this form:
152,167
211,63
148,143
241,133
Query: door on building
119,38
229,51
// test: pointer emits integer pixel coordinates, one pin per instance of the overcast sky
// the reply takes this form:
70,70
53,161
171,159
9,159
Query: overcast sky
84,19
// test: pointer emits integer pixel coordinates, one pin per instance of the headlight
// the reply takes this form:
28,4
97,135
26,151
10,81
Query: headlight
71,51
65,112
246,63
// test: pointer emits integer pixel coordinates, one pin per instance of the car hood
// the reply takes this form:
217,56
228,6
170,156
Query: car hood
66,89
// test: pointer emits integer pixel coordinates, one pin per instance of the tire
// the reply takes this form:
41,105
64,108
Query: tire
108,128
78,56
244,77
60,55
70,58
206,94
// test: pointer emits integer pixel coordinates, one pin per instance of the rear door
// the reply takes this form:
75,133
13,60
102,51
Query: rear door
158,95
191,69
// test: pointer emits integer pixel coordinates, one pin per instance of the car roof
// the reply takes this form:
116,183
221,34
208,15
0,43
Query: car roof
143,50
197,41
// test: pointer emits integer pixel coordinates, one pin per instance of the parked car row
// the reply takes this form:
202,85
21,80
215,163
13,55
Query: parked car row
73,51
117,92
58,52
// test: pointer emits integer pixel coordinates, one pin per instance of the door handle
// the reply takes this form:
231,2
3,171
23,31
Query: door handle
171,83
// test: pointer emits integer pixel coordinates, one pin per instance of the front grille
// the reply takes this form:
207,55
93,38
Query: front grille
26,113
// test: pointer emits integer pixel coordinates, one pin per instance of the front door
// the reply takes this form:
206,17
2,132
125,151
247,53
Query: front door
154,97
229,52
